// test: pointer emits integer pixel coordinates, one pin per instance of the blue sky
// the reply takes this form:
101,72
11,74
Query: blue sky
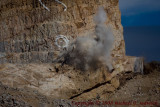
140,12
141,22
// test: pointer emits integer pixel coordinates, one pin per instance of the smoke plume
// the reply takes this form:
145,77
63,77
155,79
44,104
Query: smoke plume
93,50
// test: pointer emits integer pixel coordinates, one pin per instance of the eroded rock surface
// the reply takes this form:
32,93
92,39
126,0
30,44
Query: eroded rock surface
62,82
27,39
28,31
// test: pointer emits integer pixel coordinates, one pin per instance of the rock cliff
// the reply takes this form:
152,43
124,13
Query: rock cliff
28,34
28,31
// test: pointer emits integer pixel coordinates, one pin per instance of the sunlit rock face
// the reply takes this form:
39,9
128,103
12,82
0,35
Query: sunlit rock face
27,35
28,30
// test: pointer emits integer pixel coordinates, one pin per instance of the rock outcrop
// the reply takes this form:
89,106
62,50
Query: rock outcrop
28,33
28,30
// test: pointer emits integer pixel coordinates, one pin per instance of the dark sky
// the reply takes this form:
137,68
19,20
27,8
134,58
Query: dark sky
140,12
141,22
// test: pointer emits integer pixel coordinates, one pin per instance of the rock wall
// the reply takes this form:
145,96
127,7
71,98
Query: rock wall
28,33
28,30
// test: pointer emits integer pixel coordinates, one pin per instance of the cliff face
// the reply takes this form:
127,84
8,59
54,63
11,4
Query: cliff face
28,30
28,34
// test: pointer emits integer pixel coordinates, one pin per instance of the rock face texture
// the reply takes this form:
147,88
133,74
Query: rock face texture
28,30
28,34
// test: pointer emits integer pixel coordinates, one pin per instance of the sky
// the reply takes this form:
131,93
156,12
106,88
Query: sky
140,12
141,22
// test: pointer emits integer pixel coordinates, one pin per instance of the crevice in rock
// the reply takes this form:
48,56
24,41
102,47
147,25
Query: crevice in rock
90,89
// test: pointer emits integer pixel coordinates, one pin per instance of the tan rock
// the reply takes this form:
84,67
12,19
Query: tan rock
27,35
115,82
28,30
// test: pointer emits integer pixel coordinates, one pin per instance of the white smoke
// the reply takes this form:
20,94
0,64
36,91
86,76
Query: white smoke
90,52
